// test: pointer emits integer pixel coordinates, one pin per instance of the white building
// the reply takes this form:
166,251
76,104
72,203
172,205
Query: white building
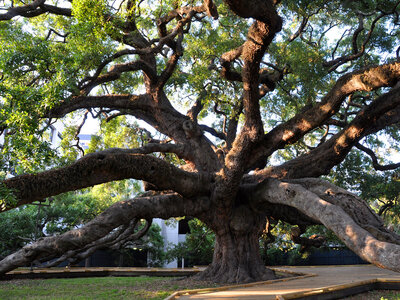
173,232
55,134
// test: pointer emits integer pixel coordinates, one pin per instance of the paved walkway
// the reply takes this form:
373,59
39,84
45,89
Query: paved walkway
325,277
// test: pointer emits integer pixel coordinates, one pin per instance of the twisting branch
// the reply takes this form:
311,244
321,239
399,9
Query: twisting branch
64,36
303,25
105,63
213,132
294,129
106,166
194,111
374,159
382,112
300,30
363,232
105,241
130,235
36,8
126,235
172,62
226,61
116,71
78,131
335,63
120,213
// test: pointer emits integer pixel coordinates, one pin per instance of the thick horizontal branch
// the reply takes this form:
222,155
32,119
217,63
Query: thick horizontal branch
104,167
162,206
117,102
372,248
153,147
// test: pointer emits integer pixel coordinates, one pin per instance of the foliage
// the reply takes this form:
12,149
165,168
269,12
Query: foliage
20,224
198,247
153,243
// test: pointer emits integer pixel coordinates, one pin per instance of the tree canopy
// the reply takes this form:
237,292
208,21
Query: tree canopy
250,104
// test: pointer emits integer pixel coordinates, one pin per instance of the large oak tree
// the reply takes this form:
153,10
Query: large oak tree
289,88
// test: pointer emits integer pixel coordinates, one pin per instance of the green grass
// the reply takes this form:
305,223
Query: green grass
94,288
376,295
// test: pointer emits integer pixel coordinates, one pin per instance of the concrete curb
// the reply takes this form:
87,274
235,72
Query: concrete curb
228,287
96,272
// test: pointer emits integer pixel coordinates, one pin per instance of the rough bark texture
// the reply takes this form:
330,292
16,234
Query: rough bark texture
377,246
121,213
213,182
236,254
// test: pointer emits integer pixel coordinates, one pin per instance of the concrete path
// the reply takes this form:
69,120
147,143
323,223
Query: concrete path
326,276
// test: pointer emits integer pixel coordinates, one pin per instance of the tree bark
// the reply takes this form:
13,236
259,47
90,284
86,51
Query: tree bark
368,239
120,213
236,256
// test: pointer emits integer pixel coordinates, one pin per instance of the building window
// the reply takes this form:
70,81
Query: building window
183,226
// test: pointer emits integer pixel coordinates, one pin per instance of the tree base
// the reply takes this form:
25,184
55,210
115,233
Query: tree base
227,274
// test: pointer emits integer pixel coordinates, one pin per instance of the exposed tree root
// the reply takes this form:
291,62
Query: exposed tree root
236,263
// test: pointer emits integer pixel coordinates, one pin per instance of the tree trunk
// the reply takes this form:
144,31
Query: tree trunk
236,253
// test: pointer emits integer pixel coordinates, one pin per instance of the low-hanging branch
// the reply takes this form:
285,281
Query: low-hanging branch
382,248
120,213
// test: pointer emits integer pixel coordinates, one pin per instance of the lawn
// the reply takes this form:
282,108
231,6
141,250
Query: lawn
376,295
97,288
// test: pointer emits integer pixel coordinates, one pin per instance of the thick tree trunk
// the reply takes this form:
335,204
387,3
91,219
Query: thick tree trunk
236,254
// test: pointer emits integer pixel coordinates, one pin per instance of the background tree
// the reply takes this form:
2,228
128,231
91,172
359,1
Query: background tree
198,247
290,87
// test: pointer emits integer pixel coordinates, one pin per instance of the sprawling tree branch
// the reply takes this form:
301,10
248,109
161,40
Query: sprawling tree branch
322,159
157,206
104,167
291,131
116,236
380,247
36,8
